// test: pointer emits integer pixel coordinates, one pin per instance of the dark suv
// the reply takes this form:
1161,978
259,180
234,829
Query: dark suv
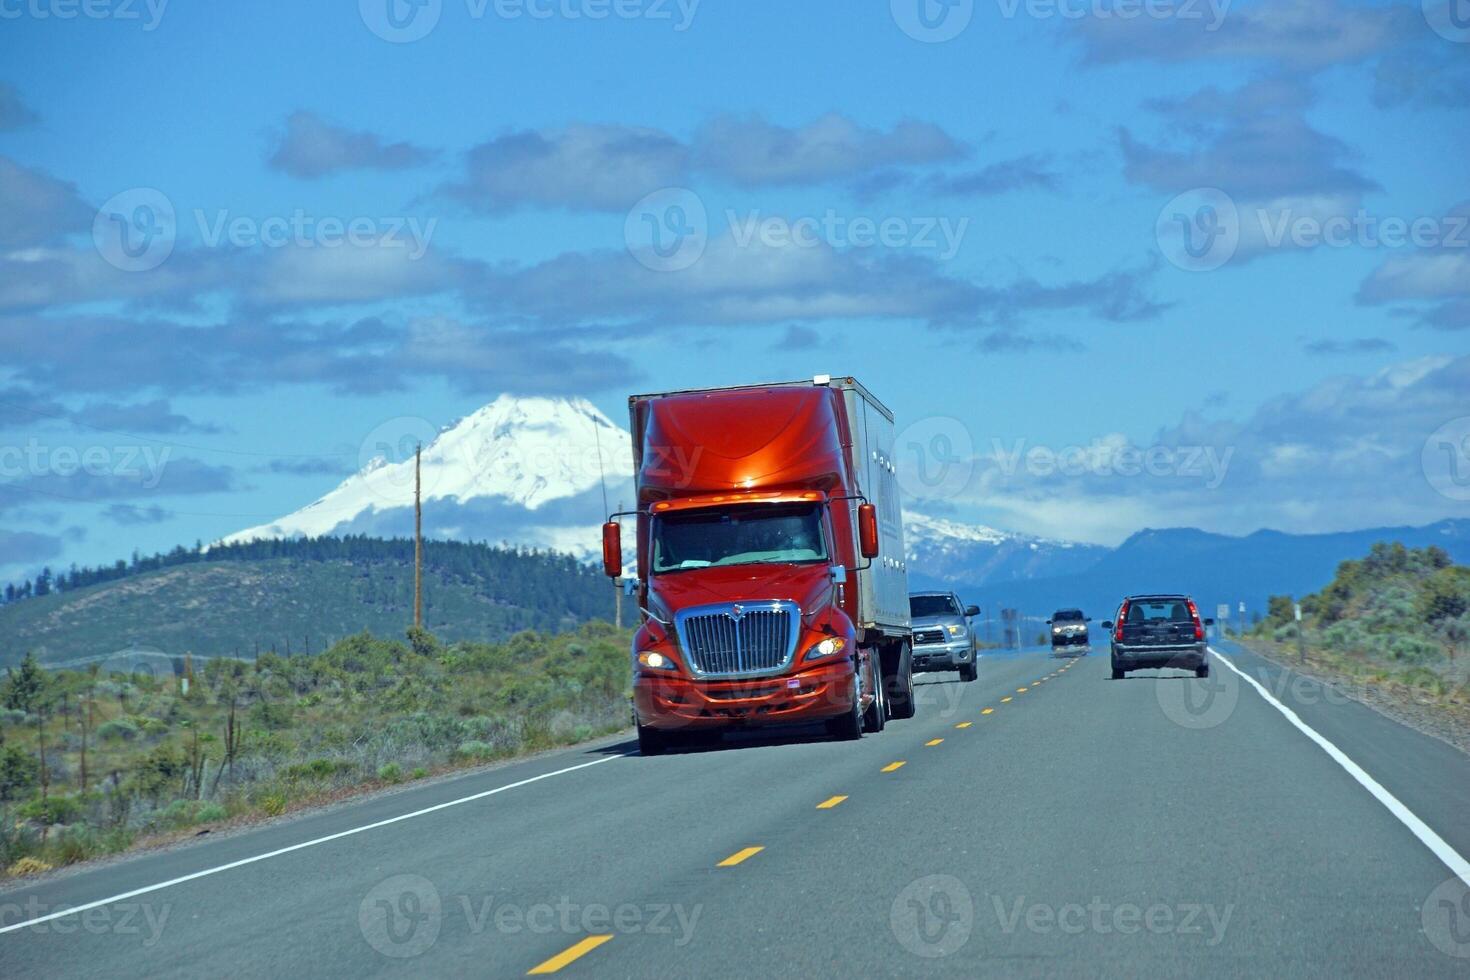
1159,631
1069,633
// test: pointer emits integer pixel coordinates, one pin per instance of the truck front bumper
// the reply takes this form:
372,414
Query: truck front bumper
942,656
680,704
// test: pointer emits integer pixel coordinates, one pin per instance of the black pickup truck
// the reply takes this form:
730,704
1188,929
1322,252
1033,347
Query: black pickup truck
1159,631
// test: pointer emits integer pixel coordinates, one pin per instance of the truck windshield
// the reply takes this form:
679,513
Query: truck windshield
745,536
1067,616
932,605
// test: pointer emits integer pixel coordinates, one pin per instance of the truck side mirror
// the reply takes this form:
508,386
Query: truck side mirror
1107,624
1209,622
868,530
971,611
612,549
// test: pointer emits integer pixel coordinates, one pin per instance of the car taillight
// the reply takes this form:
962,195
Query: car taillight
1122,615
1199,628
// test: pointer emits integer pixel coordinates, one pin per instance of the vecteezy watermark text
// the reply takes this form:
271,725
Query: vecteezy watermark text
1107,918
1206,462
940,234
137,230
402,916
405,21
144,919
1210,12
299,229
148,12
142,463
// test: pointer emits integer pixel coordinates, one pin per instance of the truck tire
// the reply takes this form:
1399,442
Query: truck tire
898,678
848,727
1118,673
1203,670
651,741
969,671
877,714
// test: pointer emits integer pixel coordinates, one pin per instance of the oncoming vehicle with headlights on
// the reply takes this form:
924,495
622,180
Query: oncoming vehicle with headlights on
943,637
1069,635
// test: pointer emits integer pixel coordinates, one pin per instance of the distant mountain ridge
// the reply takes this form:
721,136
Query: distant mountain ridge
942,551
1214,568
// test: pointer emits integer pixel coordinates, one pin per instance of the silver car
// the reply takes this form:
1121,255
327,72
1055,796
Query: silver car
943,637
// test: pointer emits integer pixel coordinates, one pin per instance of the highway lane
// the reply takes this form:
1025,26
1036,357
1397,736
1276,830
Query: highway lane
1083,826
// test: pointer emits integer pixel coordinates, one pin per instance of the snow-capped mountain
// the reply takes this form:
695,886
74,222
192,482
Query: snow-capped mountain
521,470
524,471
946,552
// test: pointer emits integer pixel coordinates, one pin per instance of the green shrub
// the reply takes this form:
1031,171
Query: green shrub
178,814
271,715
318,769
473,751
117,730
391,773
77,843
1413,649
210,813
52,810
419,772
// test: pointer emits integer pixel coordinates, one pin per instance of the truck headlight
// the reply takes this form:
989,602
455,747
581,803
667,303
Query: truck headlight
1056,629
826,648
956,630
654,660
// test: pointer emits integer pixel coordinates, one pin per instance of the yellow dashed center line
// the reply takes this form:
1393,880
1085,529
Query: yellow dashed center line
740,855
986,711
570,954
934,741
1005,699
893,766
964,724
1022,690
830,802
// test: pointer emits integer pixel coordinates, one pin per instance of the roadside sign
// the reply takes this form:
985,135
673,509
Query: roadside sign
1296,607
1222,612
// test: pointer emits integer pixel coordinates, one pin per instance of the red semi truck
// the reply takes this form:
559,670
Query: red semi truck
771,570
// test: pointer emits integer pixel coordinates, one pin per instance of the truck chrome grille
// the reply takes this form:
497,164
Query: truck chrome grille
928,636
739,639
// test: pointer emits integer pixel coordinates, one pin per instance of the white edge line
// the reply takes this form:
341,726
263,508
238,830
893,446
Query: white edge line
1417,827
296,847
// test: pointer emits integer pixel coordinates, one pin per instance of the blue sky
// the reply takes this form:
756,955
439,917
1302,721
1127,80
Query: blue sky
499,171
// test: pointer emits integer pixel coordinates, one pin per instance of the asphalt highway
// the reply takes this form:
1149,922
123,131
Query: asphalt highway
1041,821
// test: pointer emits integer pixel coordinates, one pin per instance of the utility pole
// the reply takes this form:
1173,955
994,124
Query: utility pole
418,541
1301,633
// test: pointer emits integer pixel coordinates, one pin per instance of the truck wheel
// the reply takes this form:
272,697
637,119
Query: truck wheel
849,726
899,681
877,714
1203,670
651,741
1118,673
